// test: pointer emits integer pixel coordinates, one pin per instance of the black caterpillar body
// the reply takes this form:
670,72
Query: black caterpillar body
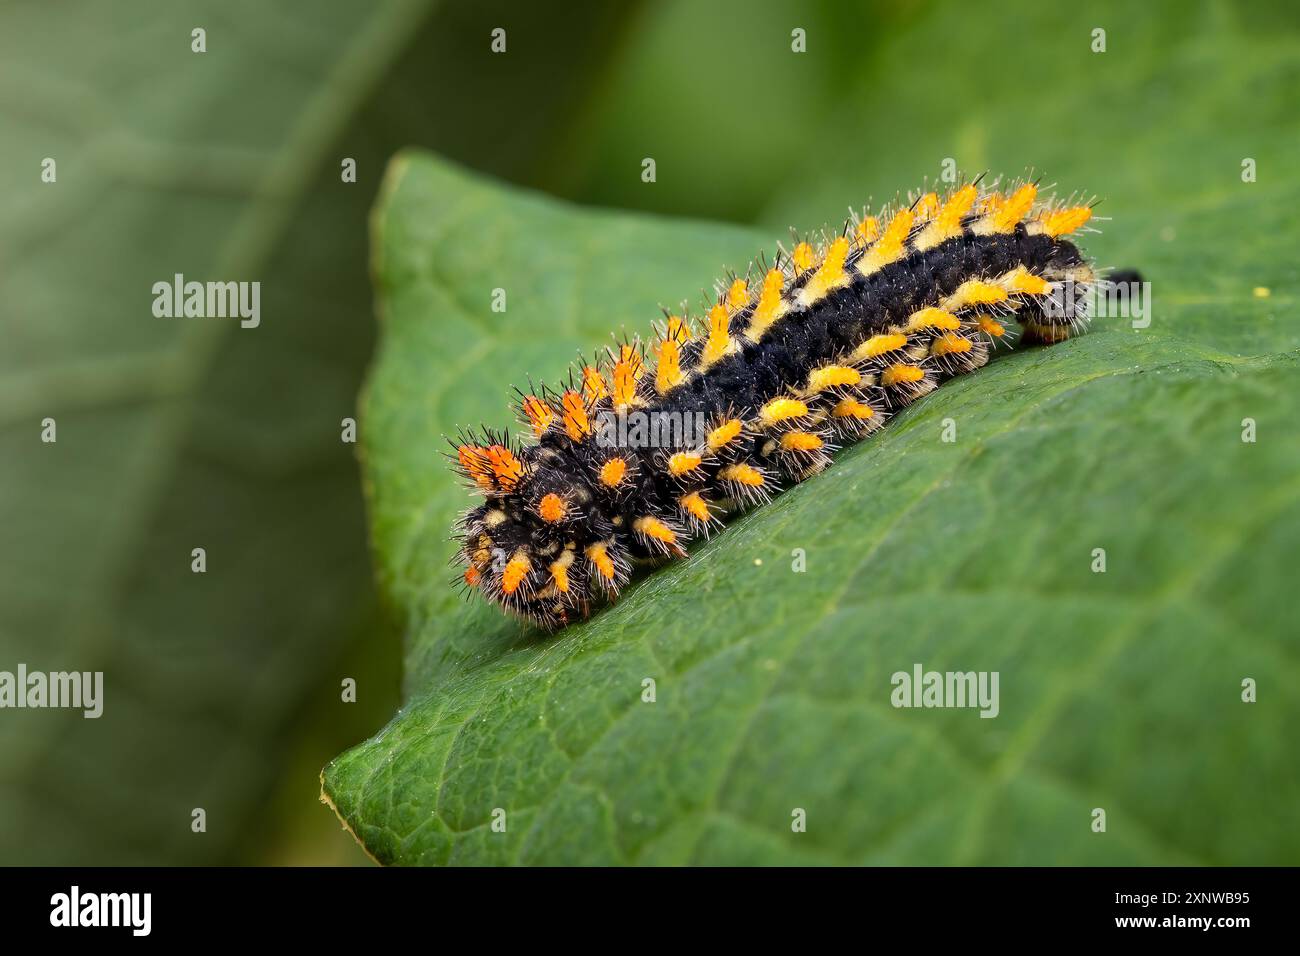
631,462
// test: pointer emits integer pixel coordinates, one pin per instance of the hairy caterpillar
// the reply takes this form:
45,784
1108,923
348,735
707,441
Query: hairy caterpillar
790,361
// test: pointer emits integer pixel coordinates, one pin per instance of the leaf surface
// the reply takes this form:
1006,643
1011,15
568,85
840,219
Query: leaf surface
773,686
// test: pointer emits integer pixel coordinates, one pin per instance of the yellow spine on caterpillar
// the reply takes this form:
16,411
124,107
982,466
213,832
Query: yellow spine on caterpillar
932,318
598,555
624,385
974,292
1062,222
576,423
539,414
683,463
782,409
771,306
868,230
830,274
879,345
1004,216
516,570
742,474
506,468
593,384
802,257
801,441
653,528
724,433
947,224
719,340
737,295
832,376
668,374
696,506
891,245
902,374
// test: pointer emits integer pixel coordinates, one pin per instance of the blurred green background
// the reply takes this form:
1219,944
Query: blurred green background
223,689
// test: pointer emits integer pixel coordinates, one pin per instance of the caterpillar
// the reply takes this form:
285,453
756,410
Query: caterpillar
790,362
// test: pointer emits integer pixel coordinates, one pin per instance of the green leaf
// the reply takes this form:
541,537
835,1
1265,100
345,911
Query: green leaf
1118,690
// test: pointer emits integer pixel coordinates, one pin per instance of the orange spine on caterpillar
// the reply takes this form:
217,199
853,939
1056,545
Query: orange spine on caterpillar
647,449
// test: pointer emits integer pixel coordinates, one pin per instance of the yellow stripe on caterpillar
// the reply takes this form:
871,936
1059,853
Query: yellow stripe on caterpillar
652,527
1021,281
830,274
1062,222
1004,216
684,462
742,474
852,408
902,373
973,292
724,433
771,306
696,506
932,318
719,342
947,225
950,344
598,555
576,422
879,345
668,373
891,246
782,409
801,441
832,376
802,257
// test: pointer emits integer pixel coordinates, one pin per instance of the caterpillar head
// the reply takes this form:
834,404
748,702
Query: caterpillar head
533,545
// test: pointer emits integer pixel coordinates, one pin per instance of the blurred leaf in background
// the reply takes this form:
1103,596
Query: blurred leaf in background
1120,690
222,689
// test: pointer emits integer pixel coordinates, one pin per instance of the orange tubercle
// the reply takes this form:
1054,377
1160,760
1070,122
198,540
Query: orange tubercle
613,472
517,569
552,508
575,416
